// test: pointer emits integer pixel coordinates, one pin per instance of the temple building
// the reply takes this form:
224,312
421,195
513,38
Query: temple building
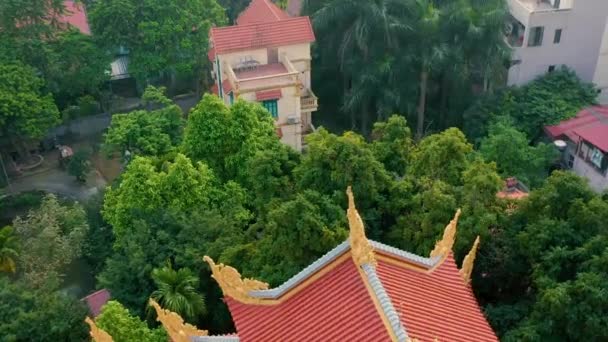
361,290
266,58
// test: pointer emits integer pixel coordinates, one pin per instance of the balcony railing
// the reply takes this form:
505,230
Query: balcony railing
308,101
262,77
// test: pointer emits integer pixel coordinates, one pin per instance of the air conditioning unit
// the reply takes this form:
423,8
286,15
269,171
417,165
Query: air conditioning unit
292,120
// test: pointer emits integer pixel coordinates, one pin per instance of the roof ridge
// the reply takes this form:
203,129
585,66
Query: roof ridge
267,23
384,302
267,3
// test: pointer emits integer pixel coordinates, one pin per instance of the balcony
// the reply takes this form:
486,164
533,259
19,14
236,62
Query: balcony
251,76
308,101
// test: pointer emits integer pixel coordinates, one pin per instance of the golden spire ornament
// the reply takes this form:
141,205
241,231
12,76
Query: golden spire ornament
174,324
467,264
97,334
360,248
232,284
444,246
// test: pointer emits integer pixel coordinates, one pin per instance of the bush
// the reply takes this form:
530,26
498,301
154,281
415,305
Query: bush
79,165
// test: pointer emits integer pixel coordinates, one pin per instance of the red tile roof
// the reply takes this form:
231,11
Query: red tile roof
429,296
96,300
588,117
435,305
262,35
273,94
336,307
76,16
260,11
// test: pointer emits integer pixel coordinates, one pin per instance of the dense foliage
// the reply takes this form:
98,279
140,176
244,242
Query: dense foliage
164,39
547,100
368,53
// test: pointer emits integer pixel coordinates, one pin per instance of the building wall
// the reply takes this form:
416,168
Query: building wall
597,180
288,106
583,27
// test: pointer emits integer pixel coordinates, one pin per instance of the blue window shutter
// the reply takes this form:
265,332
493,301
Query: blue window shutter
272,107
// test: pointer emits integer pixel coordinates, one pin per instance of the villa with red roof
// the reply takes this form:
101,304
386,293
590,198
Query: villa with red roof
586,144
362,290
266,58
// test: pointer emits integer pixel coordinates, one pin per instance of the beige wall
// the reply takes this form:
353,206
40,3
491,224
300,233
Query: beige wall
289,104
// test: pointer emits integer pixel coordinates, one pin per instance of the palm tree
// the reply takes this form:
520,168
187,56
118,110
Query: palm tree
8,249
177,291
362,35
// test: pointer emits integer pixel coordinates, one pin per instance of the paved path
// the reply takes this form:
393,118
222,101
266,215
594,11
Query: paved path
59,182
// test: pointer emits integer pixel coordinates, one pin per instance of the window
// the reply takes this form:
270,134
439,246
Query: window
558,36
536,36
556,3
570,161
231,97
551,68
271,106
596,157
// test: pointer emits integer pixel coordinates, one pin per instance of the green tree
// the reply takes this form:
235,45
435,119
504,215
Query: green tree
39,314
442,156
333,162
77,65
511,151
392,144
53,236
9,247
226,138
25,111
117,321
177,291
547,100
164,39
152,132
80,165
296,233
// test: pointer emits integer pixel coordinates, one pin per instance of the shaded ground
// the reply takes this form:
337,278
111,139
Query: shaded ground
59,182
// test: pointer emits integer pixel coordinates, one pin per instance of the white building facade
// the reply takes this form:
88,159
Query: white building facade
546,34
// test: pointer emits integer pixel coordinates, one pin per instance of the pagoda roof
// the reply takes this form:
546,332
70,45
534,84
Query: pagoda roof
362,290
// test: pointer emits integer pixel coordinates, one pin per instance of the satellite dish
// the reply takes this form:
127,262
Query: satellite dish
560,144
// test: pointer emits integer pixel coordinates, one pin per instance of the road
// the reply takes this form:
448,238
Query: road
59,182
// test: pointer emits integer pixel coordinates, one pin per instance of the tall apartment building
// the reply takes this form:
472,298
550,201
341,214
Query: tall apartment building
266,58
546,34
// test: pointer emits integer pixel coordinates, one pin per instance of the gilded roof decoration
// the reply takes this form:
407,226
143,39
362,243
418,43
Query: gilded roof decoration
467,265
97,334
232,284
176,328
361,249
444,246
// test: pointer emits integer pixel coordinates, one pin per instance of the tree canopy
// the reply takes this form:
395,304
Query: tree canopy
163,38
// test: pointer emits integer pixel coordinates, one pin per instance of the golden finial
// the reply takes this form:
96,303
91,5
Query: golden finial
176,328
444,246
232,285
468,262
360,248
97,334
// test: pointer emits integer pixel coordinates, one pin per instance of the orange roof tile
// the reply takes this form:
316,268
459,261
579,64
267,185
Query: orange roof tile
336,307
273,94
422,298
260,35
435,305
260,11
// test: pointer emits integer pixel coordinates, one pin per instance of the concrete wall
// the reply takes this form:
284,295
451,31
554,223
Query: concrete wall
582,33
597,180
